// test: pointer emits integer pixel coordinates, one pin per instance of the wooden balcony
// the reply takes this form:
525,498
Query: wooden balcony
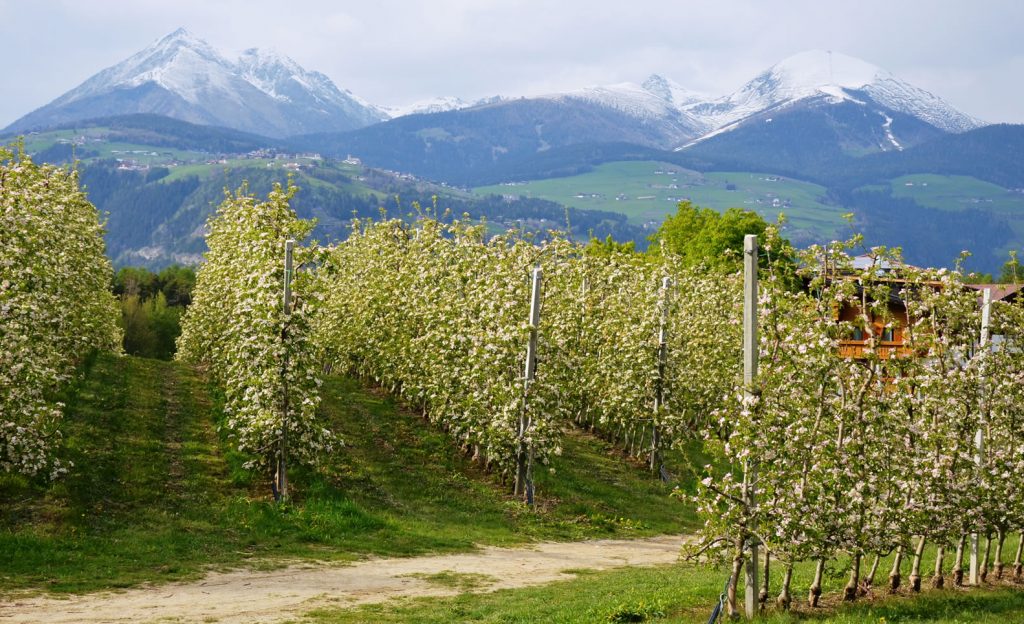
886,349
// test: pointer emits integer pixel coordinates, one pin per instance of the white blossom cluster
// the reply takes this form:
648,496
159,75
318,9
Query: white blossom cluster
873,454
237,326
439,315
55,305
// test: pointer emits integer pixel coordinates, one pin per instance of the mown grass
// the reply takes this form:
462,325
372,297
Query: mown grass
156,494
676,594
462,581
646,195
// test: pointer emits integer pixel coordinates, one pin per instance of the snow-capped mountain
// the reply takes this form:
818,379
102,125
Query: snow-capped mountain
672,92
184,77
814,77
809,101
424,107
832,78
441,104
657,102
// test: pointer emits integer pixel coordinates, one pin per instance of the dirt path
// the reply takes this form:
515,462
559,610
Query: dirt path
246,596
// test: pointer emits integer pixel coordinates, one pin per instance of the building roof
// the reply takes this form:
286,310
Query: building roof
1000,292
865,261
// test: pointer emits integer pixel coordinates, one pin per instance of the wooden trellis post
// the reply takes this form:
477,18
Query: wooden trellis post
979,435
659,383
281,481
750,353
524,482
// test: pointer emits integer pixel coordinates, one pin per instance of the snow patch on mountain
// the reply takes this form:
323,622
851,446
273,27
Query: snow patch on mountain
427,106
179,62
627,97
267,69
656,107
887,126
672,92
835,78
183,76
902,97
812,77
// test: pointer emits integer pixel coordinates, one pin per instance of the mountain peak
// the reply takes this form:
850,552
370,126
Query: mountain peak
182,38
180,33
183,76
834,78
658,85
671,91
266,56
258,60
820,68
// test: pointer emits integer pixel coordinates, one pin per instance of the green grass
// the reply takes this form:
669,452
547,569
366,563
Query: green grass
636,190
155,494
96,140
678,594
948,192
956,193
206,170
41,140
462,581
182,163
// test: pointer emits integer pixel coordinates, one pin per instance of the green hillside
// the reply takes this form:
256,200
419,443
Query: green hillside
647,191
155,494
159,179
957,193
916,212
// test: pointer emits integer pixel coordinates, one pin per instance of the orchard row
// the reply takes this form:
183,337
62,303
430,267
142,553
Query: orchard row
882,418
55,305
859,436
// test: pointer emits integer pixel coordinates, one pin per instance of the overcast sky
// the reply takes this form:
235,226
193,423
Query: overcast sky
969,53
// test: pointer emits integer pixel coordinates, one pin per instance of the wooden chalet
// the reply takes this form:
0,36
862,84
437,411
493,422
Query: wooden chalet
888,329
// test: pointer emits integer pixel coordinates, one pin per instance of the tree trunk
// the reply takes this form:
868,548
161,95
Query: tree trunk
958,563
850,591
869,580
895,577
915,566
734,579
522,457
938,580
1018,565
280,485
655,449
785,597
762,596
815,592
983,571
1000,538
